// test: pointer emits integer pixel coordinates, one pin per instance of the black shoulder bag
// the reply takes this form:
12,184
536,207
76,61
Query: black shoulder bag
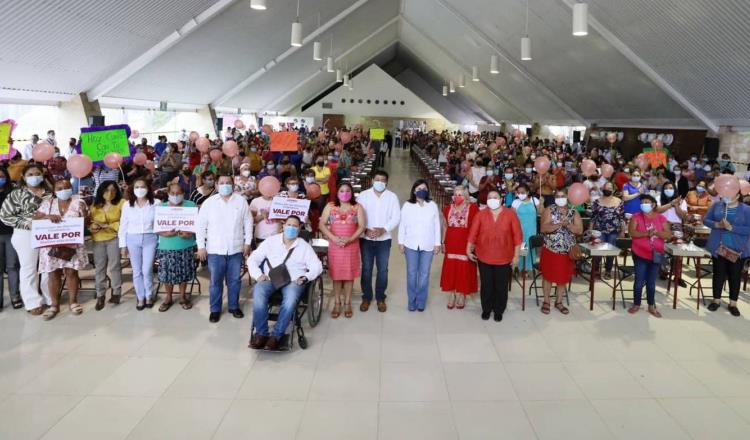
279,275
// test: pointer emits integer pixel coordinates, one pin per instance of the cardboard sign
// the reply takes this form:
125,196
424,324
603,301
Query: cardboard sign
377,134
68,232
284,141
96,144
174,218
283,207
5,129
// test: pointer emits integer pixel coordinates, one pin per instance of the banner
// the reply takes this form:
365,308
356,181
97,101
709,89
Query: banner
283,207
96,144
377,134
5,129
175,218
68,232
284,141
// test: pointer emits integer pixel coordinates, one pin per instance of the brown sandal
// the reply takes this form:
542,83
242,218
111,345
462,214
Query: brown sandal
336,312
51,312
545,308
564,310
165,306
348,310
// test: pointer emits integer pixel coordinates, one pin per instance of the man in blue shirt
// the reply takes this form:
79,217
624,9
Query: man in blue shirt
161,145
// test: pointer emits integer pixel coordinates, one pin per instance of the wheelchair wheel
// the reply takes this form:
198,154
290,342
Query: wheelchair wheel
315,302
302,342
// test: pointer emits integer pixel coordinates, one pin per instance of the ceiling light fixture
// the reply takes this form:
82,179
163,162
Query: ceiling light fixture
461,81
580,19
526,41
452,87
259,5
493,65
317,46
297,30
339,76
329,60
475,73
445,90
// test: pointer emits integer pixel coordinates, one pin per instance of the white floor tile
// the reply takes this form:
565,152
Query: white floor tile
605,380
416,421
466,347
146,377
638,418
277,381
339,421
188,419
74,375
346,381
209,378
478,381
253,419
542,381
563,420
492,420
29,417
98,417
666,379
410,347
412,382
706,419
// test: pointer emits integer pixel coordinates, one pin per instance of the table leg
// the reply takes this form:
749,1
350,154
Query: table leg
614,284
592,279
523,288
677,273
698,283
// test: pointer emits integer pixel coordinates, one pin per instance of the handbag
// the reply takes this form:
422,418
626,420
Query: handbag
576,253
658,257
730,254
65,253
279,275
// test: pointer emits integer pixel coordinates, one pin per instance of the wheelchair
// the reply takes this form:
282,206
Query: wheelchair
310,303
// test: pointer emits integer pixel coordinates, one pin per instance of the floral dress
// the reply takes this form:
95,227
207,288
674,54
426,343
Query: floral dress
458,274
344,262
80,259
607,219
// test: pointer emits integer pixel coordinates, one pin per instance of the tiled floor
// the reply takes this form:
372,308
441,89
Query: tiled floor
441,374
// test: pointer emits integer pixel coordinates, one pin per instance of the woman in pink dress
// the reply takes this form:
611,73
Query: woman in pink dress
342,222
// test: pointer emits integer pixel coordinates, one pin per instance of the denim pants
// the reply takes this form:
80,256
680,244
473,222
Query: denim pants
374,253
611,238
142,250
223,267
262,291
9,264
417,277
645,273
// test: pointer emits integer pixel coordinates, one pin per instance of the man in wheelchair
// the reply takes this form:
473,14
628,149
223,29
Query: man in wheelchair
285,250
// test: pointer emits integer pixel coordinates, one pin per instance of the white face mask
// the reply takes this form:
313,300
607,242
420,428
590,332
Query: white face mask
64,194
561,201
310,179
529,170
246,173
176,199
490,173
522,196
493,204
140,192
293,188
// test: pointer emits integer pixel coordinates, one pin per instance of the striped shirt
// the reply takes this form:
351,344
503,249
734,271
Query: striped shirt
19,208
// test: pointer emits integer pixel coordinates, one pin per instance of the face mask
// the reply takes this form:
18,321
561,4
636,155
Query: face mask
291,232
700,189
561,201
210,183
379,186
707,168
627,170
669,192
64,194
140,192
693,158
176,200
246,173
533,156
522,196
493,204
293,188
490,173
529,170
646,207
458,200
345,196
607,192
2,181
422,194
636,179
225,189
270,166
727,200
320,163
310,179
508,176
187,172
677,173
33,181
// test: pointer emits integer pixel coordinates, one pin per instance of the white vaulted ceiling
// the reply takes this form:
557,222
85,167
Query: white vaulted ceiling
664,63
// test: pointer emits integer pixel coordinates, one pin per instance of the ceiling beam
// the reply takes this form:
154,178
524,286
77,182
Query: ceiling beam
512,61
644,67
224,97
157,50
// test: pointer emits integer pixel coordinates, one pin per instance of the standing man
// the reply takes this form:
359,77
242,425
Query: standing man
51,138
224,233
28,148
382,213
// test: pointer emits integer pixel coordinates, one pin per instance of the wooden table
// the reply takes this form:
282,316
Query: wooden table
600,250
680,251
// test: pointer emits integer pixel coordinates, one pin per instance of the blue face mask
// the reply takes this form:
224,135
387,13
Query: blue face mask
669,192
378,186
291,232
225,190
422,194
646,207
700,189
2,181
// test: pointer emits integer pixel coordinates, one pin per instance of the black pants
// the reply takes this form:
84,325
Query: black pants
494,288
380,158
726,270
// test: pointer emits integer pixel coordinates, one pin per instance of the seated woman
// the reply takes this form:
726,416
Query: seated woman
206,189
698,200
302,264
244,183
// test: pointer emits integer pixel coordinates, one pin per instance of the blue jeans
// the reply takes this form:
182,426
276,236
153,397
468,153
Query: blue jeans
374,252
142,250
645,273
608,237
262,291
221,267
417,277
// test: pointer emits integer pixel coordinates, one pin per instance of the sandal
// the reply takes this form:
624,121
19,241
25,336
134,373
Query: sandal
634,309
451,301
36,311
16,303
336,312
559,306
50,313
348,310
186,304
545,308
461,302
165,306
76,309
655,313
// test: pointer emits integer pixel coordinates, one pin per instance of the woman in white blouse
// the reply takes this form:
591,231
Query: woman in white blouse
138,239
419,239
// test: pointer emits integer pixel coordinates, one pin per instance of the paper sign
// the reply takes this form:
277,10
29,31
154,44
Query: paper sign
5,128
377,134
284,141
67,232
175,218
283,207
96,144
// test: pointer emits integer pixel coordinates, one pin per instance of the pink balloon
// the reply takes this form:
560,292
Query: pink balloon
194,136
607,170
267,129
641,162
611,138
578,194
541,164
269,186
202,144
230,148
588,167
215,155
42,152
140,159
744,187
135,134
239,125
79,165
150,165
113,160
727,185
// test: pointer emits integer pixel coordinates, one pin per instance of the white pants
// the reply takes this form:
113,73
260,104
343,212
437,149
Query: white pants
28,259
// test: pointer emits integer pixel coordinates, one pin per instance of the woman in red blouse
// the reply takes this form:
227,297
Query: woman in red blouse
459,275
495,240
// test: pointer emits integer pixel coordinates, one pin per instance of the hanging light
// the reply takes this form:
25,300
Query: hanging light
475,73
297,30
493,65
339,76
346,80
445,90
259,5
461,81
316,51
580,19
329,65
526,48
351,84
452,87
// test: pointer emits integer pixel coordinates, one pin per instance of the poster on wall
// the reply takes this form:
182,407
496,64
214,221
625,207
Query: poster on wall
284,141
377,134
97,142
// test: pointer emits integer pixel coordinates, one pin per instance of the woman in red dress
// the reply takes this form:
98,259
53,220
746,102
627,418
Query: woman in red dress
342,222
459,274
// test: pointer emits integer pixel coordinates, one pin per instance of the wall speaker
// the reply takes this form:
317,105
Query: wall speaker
576,136
711,148
96,121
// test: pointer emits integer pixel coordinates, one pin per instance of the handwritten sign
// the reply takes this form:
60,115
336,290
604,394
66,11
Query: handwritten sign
5,129
284,141
68,232
174,218
283,207
96,144
377,134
